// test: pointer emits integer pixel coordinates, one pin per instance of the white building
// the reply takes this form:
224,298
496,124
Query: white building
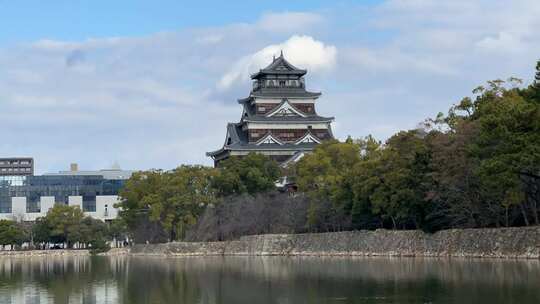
95,192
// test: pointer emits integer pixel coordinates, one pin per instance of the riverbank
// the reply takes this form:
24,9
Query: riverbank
60,252
521,242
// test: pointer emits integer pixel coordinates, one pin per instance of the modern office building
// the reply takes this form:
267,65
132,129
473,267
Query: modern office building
279,117
28,197
15,169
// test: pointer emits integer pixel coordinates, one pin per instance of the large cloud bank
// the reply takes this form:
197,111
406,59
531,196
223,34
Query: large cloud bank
160,100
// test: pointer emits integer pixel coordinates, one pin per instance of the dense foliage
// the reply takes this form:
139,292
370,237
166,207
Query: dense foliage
477,166
251,174
68,225
12,233
161,205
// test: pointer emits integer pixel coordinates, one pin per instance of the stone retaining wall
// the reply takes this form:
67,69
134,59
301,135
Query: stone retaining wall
521,242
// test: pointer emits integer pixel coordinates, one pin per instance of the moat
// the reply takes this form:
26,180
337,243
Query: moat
124,279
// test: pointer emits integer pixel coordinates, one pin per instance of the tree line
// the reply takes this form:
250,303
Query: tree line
476,166
62,227
160,206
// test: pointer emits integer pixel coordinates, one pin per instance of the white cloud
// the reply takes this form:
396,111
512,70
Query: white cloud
301,51
288,21
164,99
502,42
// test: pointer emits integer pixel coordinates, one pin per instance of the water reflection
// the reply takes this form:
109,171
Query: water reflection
266,280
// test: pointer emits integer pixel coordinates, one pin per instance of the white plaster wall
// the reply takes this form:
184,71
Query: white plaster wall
46,202
75,201
105,207
18,208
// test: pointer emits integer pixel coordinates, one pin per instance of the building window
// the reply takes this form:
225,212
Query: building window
5,203
89,203
262,109
33,203
282,83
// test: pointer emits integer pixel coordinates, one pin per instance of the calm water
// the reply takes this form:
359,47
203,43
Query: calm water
266,280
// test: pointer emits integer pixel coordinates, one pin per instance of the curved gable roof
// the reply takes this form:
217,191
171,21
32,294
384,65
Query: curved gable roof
279,66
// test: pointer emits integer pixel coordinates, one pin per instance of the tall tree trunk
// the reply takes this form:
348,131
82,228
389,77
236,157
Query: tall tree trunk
506,216
524,213
535,212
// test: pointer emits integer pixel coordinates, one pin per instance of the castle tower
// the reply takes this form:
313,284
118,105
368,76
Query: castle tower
279,117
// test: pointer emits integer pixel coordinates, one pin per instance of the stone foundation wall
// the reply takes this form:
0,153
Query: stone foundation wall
494,243
521,242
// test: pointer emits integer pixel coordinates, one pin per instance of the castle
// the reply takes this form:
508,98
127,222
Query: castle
279,117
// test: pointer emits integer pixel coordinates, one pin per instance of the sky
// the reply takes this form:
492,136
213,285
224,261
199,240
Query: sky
152,84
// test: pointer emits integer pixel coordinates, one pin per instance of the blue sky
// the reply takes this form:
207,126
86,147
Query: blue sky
75,20
152,84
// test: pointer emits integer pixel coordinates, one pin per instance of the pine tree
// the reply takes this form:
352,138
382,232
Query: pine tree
537,76
536,85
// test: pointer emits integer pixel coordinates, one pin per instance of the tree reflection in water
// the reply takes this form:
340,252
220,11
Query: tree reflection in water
92,280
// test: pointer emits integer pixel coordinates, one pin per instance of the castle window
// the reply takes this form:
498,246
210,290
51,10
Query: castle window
282,83
287,135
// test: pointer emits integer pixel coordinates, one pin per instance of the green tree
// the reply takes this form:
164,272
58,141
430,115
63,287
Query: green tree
139,188
186,193
64,224
172,199
253,173
492,141
401,177
41,231
326,176
118,230
11,233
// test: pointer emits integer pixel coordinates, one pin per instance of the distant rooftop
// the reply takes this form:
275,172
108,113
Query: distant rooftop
114,173
106,173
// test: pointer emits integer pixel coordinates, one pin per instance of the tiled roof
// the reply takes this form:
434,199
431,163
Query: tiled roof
279,66
287,119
